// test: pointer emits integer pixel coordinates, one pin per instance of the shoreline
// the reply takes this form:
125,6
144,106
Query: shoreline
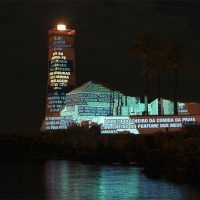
171,156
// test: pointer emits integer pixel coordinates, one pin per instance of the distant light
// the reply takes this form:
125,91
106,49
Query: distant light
61,27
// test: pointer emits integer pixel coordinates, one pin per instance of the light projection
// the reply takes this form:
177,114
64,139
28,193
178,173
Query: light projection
117,113
95,103
92,99
60,70
144,124
95,111
61,74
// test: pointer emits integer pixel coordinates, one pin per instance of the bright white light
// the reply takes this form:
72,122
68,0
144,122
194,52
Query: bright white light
61,27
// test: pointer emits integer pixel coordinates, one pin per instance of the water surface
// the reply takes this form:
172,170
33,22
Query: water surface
57,180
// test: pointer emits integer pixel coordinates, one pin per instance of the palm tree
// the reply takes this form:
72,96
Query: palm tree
176,57
143,46
158,66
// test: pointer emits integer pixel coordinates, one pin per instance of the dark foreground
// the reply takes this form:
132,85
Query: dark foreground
70,180
173,156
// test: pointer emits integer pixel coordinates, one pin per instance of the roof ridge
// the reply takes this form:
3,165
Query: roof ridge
90,86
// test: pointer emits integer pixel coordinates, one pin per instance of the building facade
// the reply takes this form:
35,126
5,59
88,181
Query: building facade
93,102
61,70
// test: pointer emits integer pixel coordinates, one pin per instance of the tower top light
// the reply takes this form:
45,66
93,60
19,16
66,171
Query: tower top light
61,27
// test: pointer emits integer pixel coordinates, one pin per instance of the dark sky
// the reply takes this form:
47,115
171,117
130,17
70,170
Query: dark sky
104,32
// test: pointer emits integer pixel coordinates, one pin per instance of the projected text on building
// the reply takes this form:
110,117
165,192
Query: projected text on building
61,77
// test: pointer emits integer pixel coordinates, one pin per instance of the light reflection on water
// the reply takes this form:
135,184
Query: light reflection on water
63,180
70,180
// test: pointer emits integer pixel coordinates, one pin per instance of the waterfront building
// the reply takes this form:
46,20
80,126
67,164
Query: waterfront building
61,69
94,103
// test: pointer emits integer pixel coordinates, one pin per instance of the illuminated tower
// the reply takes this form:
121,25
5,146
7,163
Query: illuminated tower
61,72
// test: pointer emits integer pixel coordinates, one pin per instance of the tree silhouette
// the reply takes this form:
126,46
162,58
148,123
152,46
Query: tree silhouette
143,46
158,65
176,57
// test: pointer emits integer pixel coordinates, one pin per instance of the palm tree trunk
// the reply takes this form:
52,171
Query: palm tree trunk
175,72
111,106
159,92
146,92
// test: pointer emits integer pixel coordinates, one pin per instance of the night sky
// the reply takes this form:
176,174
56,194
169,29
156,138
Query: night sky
104,33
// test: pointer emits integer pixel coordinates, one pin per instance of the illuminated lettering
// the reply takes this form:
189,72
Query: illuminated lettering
192,119
165,120
147,125
174,125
